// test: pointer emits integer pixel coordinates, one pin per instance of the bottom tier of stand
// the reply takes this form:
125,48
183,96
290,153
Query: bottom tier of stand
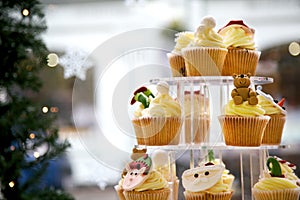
249,160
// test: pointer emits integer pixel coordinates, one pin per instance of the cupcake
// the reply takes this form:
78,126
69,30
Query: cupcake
196,117
243,122
136,154
274,185
206,182
175,58
142,182
226,176
277,114
287,170
158,119
144,96
205,55
167,167
242,56
120,191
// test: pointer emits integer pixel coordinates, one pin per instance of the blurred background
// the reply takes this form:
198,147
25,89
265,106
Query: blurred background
90,26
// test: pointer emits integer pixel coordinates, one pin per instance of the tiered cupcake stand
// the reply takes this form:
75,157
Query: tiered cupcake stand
217,90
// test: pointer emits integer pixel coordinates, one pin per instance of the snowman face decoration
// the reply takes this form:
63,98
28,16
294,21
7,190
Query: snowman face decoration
137,173
202,178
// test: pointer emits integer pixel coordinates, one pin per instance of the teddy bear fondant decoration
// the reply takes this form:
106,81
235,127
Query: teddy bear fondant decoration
242,92
137,153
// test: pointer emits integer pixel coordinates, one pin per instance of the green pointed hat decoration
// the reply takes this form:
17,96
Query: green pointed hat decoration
144,161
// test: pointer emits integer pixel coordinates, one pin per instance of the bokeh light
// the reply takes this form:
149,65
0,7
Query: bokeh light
36,154
11,184
12,147
45,109
52,60
294,48
25,12
54,109
31,135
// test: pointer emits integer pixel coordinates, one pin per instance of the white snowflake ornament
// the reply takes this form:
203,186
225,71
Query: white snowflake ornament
75,63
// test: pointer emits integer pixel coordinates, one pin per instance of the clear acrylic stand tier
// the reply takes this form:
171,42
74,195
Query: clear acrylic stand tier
202,100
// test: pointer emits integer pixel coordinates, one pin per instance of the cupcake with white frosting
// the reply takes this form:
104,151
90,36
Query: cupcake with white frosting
242,56
243,122
275,110
175,58
143,182
206,54
158,117
275,184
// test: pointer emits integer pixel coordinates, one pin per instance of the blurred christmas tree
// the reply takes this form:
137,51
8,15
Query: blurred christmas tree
29,140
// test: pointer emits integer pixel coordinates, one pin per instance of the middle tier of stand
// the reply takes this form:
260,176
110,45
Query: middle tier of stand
210,80
202,99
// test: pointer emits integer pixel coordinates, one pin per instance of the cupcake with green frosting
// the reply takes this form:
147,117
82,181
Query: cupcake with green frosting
242,56
277,113
274,185
205,55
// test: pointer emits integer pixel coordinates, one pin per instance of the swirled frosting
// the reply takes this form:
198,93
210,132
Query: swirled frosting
268,106
237,35
288,172
206,36
275,183
163,105
243,109
287,169
183,39
155,181
220,186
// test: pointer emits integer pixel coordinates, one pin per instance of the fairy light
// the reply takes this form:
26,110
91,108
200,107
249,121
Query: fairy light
25,12
32,136
29,68
52,60
11,184
36,154
54,109
12,147
45,109
294,48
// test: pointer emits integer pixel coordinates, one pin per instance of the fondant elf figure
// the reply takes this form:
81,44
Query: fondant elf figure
142,95
137,172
